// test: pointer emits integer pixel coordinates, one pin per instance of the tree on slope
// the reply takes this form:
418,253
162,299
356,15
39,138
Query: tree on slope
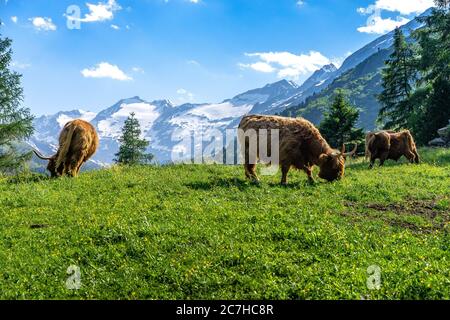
132,147
339,124
16,122
397,81
431,100
442,4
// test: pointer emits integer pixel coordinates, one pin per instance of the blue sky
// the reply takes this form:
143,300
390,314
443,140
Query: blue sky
182,50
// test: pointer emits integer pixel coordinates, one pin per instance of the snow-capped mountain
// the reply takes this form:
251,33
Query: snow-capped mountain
163,124
319,77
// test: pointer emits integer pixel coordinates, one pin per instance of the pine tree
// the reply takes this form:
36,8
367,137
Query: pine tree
431,100
338,125
442,4
397,81
132,147
16,122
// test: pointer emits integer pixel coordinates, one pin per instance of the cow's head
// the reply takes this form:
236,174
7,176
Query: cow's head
51,167
332,165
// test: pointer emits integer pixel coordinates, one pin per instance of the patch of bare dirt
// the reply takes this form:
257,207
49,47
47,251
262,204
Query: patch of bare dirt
438,219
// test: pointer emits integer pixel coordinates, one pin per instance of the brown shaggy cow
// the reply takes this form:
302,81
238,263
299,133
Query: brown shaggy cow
300,146
385,145
370,135
78,141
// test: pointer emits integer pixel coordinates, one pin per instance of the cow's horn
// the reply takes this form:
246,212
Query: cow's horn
40,156
351,153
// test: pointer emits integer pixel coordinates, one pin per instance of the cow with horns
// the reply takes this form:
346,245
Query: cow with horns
78,141
300,146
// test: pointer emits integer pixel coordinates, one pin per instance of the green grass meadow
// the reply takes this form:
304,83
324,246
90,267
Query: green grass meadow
204,232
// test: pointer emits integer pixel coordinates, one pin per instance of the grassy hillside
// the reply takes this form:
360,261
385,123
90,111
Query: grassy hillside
361,84
205,232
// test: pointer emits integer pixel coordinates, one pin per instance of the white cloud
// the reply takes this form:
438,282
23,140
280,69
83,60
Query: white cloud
259,66
106,70
379,25
300,3
190,1
42,23
101,11
286,64
185,95
115,27
138,70
14,19
404,7
376,24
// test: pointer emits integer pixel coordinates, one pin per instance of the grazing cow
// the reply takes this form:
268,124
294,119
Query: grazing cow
300,146
78,141
370,135
385,145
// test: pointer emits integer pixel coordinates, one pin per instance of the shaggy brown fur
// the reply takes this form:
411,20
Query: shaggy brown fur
78,141
301,146
391,145
369,135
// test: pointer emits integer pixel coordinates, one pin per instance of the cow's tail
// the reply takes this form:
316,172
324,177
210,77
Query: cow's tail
64,148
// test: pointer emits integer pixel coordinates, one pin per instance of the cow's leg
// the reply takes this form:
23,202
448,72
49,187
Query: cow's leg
250,172
416,158
410,156
77,170
383,157
284,173
372,160
66,168
76,161
71,169
308,171
71,172
250,164
247,172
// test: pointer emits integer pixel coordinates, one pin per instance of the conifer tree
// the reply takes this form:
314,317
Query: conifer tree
442,4
132,147
397,81
16,122
338,125
431,101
